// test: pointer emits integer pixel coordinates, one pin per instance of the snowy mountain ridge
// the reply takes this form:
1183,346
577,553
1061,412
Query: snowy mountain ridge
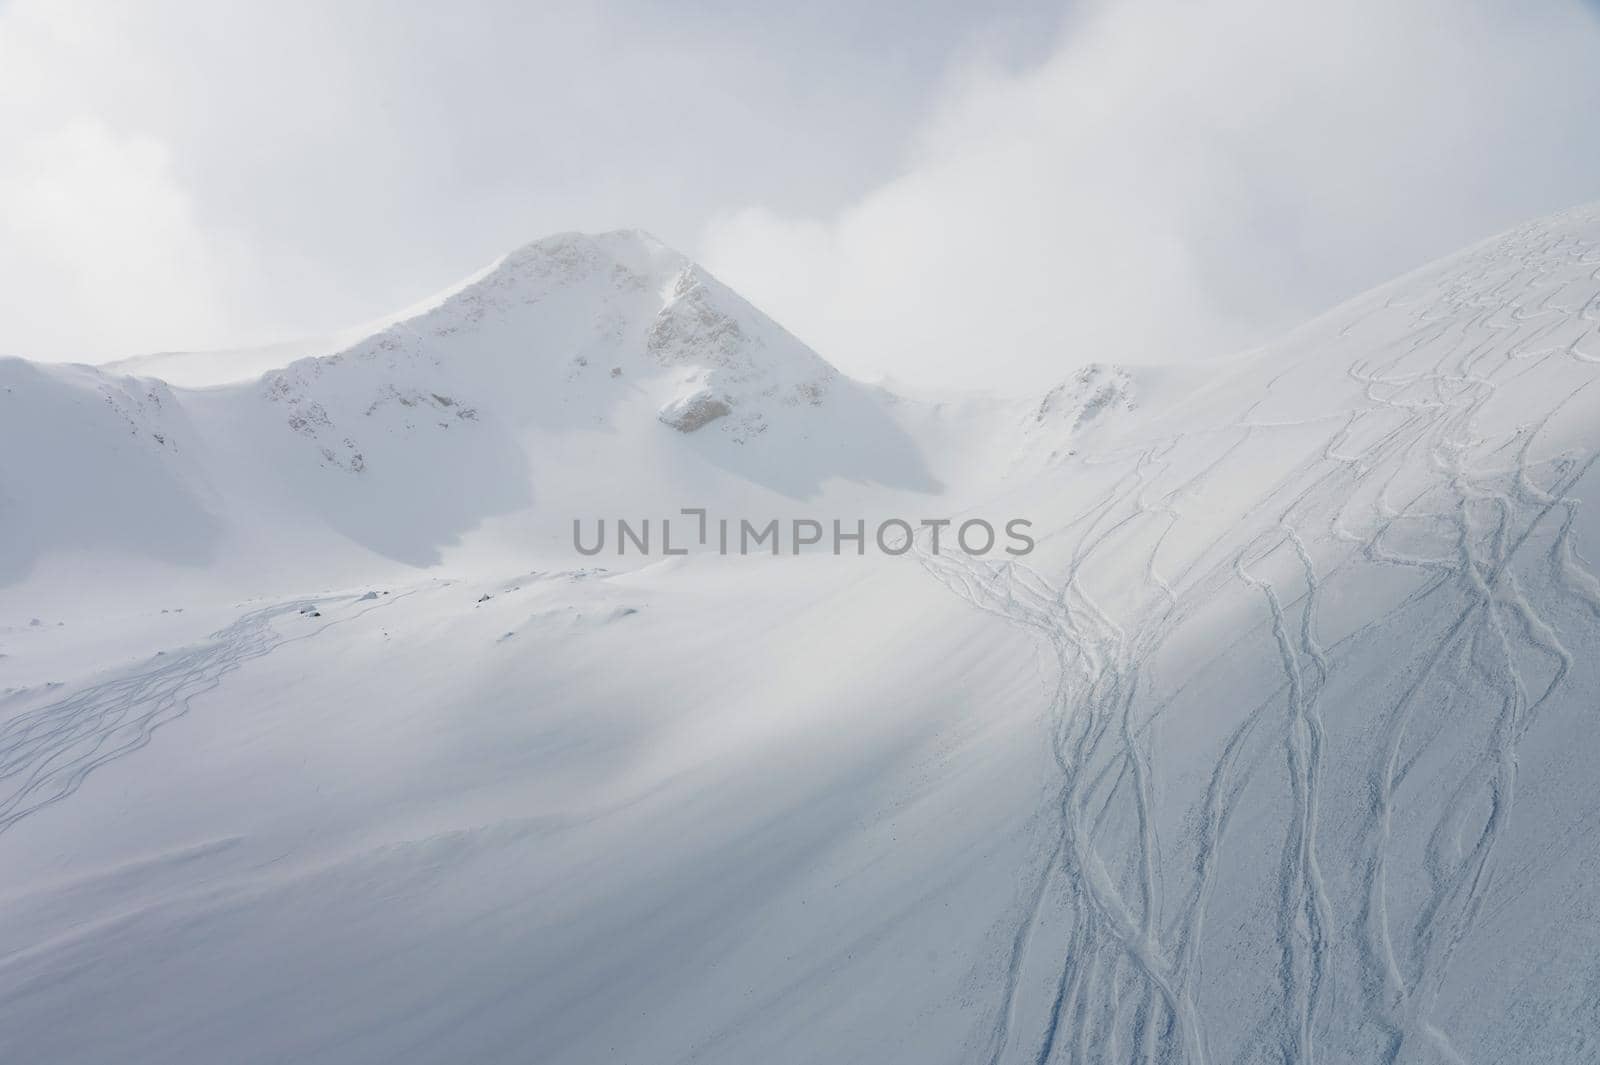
616,307
497,400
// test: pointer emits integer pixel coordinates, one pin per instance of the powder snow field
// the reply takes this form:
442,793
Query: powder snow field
320,743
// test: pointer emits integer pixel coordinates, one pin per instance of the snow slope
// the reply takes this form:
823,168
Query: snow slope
326,746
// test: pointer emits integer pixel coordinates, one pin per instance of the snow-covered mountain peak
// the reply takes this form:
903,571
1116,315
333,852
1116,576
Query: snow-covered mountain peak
623,259
572,352
567,330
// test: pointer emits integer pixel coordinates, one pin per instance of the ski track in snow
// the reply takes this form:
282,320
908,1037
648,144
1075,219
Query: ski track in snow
1409,481
48,752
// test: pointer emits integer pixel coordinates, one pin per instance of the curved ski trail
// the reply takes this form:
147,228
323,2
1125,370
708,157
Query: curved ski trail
1412,478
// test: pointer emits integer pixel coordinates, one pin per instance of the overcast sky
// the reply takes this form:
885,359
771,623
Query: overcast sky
948,195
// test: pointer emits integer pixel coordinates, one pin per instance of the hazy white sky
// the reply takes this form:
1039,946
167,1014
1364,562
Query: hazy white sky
948,195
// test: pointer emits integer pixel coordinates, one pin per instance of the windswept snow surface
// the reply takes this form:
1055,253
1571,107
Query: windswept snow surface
320,743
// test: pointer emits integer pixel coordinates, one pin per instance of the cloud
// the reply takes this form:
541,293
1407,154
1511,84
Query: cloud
1178,180
1168,180
100,236
263,169
100,249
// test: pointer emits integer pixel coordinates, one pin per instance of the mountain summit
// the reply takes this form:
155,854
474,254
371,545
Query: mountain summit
569,355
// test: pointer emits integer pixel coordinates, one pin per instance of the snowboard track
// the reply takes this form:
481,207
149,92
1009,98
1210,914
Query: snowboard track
1408,480
46,753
